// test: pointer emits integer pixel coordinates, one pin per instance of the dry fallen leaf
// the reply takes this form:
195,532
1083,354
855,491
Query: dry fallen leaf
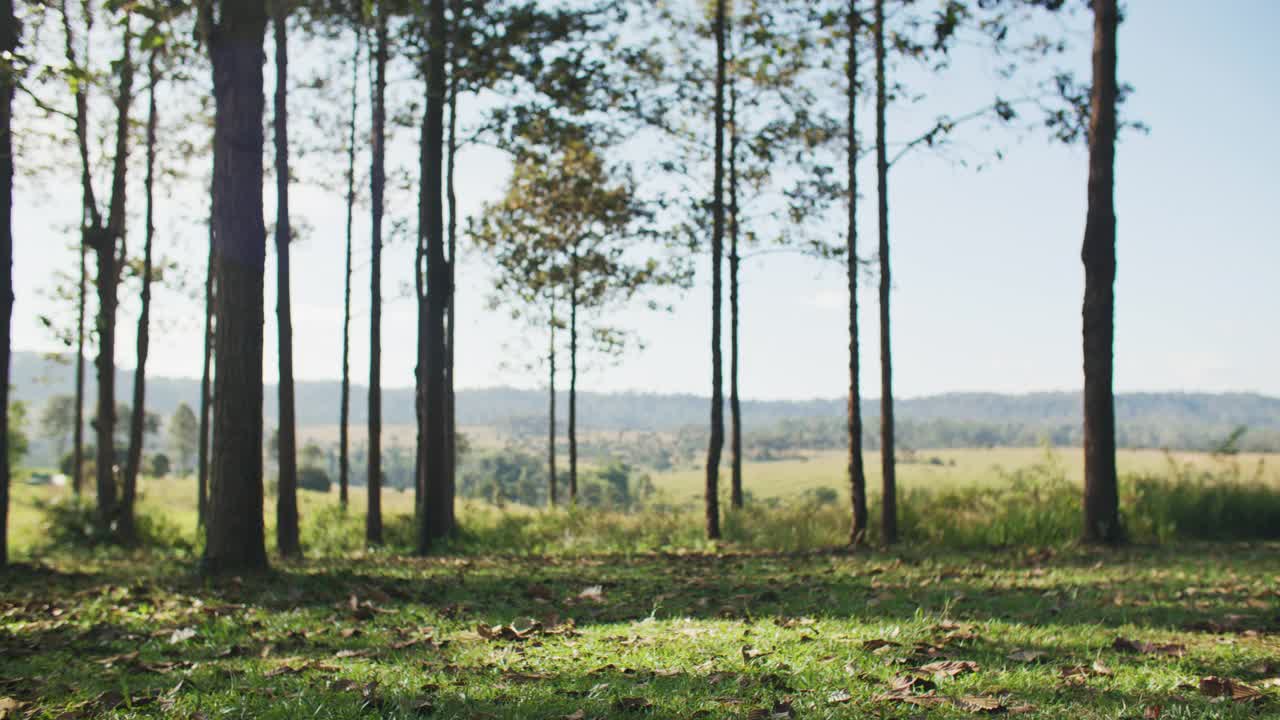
1228,688
980,704
1153,712
1026,656
949,668
632,704
839,696
1143,647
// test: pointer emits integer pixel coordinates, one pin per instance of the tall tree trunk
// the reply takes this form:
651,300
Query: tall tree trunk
8,44
735,406
202,459
133,463
857,474
439,506
889,503
110,261
451,412
344,413
373,518
287,541
1101,501
235,540
77,443
551,413
716,445
88,218
573,377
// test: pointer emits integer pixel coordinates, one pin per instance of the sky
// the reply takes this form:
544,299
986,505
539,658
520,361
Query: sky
987,281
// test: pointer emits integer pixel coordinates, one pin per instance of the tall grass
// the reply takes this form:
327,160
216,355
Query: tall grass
1036,505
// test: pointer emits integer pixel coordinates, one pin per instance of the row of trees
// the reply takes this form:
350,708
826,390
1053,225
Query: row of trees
573,236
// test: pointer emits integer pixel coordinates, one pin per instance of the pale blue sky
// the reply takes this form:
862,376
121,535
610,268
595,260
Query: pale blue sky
987,278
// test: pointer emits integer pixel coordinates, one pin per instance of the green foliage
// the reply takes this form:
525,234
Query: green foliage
313,478
71,525
184,435
1194,503
18,444
161,465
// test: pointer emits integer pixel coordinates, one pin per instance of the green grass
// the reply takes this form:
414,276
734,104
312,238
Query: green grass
644,635
972,467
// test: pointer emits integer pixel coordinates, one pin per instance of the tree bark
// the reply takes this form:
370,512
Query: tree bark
889,503
202,460
437,518
451,412
234,536
573,377
735,406
8,44
551,413
133,463
77,444
373,517
110,262
716,445
1101,500
857,474
88,217
344,413
287,541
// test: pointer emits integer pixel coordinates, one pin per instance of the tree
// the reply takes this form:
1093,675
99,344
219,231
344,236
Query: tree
105,236
889,492
133,460
857,474
184,435
8,81
437,518
16,442
57,421
206,392
716,444
377,184
344,412
1101,503
570,230
234,31
287,488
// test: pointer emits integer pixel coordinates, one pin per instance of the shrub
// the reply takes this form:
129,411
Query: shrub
72,525
313,478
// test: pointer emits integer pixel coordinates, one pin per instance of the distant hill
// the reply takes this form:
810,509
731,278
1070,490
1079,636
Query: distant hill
1172,419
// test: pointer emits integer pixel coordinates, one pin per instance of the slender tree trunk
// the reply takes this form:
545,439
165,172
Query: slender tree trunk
735,406
88,217
439,507
451,414
133,464
373,518
551,413
889,506
8,44
235,538
287,541
77,444
110,261
1101,499
857,474
716,446
344,413
202,460
573,377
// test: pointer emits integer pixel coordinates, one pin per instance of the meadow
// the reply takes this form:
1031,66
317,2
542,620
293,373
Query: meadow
578,614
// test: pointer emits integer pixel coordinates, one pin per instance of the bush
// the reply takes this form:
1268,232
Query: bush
160,465
72,525
313,478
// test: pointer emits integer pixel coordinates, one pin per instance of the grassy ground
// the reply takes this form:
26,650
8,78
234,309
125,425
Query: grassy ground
969,467
1079,634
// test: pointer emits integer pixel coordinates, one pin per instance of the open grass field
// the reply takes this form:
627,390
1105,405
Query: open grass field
963,467
1188,631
